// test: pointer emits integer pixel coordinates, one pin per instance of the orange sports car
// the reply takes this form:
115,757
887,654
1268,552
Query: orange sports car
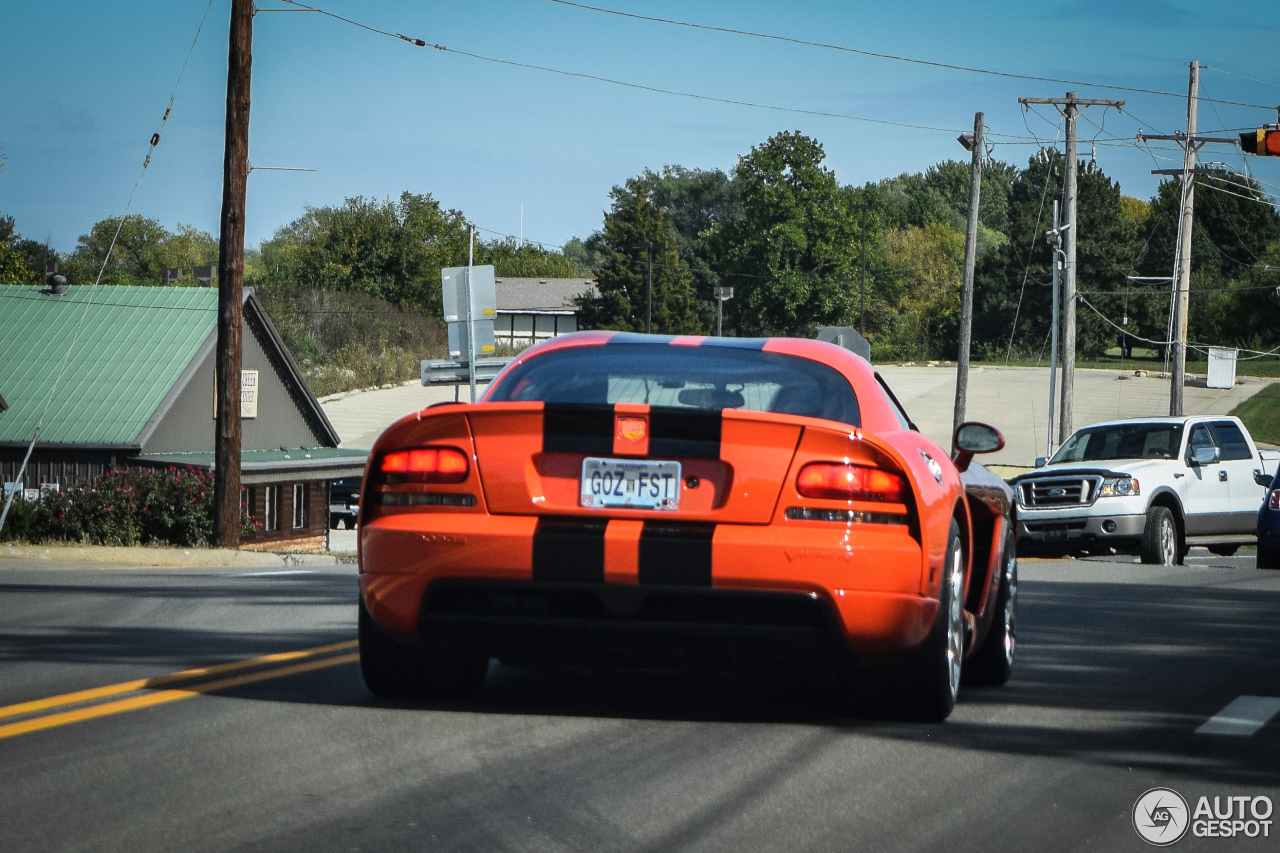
717,503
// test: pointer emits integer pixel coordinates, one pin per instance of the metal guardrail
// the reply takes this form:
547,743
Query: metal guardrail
450,371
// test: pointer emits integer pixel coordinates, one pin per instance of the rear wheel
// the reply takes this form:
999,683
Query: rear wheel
1160,538
992,663
925,688
396,670
1268,559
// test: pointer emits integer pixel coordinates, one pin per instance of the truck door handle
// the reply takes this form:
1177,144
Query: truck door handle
1222,476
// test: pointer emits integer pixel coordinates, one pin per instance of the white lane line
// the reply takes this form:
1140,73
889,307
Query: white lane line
271,574
1244,716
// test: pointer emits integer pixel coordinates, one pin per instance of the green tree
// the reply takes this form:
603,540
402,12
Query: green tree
15,266
789,255
621,278
927,265
141,253
527,261
1107,249
393,250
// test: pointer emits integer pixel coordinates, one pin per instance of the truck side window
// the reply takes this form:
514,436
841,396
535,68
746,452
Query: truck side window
1199,438
1231,442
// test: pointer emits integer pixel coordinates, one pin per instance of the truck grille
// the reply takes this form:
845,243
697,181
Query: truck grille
1058,492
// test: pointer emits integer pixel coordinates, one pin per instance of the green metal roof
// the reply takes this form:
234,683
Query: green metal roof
297,455
133,346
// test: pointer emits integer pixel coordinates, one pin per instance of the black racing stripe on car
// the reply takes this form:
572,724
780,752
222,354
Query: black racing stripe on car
684,433
736,343
569,549
676,554
574,428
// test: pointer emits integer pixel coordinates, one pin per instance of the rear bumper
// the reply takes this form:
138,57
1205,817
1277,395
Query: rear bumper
809,592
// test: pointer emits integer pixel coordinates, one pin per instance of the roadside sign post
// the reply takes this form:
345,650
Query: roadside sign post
470,305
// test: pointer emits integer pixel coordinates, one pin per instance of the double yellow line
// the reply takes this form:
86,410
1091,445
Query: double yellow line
61,710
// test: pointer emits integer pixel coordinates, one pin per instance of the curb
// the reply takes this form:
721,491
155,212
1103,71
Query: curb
134,557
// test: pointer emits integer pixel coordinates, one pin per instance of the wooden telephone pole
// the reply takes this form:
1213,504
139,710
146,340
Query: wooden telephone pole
235,176
1070,107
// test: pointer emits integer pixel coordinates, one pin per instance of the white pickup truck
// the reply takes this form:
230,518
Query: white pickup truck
1151,486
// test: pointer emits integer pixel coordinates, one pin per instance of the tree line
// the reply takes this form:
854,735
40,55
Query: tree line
786,235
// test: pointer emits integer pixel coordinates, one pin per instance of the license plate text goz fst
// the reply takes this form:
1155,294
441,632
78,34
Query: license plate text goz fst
630,484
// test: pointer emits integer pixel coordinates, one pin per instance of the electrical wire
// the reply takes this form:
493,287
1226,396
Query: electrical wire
417,42
889,56
75,335
1241,76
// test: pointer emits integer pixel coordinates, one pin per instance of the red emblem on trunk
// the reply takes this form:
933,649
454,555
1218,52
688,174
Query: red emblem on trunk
632,429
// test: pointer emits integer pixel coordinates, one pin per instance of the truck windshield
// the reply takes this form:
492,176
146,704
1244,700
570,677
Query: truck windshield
1122,441
706,377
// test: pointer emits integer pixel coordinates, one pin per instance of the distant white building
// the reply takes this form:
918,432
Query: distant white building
536,309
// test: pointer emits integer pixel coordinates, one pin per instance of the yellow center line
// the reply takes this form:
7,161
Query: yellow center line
151,699
160,681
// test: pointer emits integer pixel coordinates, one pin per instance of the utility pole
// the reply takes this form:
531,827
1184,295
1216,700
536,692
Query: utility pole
1070,108
1182,268
1191,144
648,310
235,175
862,291
977,145
471,310
721,294
1055,243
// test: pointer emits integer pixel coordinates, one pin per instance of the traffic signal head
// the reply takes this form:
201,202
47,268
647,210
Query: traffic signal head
1264,141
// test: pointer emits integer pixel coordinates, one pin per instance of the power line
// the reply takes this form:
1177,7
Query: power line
417,42
1241,76
889,56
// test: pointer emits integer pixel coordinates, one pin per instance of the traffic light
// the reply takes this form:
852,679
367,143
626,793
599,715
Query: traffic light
1265,142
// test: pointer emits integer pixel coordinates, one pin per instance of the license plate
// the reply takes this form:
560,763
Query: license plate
630,484
1056,534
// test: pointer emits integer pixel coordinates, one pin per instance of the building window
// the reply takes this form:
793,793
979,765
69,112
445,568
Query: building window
271,508
299,506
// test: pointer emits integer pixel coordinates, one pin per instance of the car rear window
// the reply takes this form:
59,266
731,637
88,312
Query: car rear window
706,377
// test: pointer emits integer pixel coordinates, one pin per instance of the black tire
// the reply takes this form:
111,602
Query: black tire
349,522
396,670
1160,545
1268,559
1224,550
333,522
925,688
992,663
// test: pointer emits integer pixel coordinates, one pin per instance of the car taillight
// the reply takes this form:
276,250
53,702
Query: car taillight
838,481
425,465
1273,499
413,477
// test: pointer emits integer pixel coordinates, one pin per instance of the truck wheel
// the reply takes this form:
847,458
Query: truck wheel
1268,559
396,670
1160,538
992,663
925,688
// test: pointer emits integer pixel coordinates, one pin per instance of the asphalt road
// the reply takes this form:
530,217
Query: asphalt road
1118,666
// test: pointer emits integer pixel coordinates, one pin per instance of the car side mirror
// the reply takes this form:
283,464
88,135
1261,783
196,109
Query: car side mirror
1262,478
1204,456
973,437
1042,461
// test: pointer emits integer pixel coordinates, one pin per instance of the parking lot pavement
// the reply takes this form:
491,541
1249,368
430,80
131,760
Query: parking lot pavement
361,416
1016,400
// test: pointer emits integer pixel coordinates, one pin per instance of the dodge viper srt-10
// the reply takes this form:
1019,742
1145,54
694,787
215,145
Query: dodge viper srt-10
691,503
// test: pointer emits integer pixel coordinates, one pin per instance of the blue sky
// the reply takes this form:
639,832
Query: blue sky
87,82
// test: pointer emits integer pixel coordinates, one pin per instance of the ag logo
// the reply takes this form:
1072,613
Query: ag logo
1160,816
